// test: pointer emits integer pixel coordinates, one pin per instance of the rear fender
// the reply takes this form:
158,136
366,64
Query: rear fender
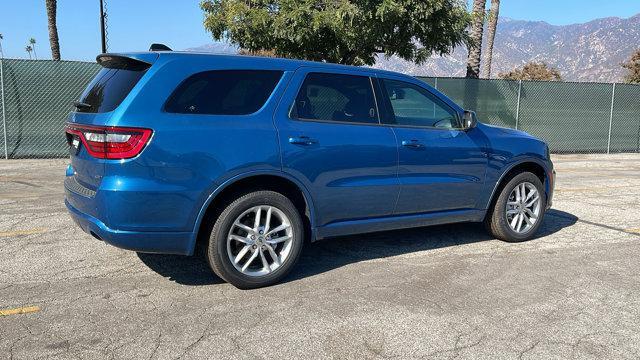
217,190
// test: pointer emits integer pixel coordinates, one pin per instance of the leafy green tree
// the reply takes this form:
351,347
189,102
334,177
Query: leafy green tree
533,71
633,68
340,31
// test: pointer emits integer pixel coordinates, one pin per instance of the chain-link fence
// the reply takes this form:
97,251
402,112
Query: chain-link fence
37,96
571,117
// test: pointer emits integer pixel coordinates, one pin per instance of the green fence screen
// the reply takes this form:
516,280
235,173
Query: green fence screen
37,96
571,117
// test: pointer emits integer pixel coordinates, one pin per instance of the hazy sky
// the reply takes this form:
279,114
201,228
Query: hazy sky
135,24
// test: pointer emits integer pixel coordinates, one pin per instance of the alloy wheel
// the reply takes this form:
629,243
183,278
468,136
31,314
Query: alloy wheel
523,207
260,240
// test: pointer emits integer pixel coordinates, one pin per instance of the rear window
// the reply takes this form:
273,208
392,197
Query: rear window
108,89
223,92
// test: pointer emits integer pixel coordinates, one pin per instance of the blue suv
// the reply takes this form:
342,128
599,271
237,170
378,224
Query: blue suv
248,157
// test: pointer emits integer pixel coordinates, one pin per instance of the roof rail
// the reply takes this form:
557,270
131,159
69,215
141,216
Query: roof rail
159,47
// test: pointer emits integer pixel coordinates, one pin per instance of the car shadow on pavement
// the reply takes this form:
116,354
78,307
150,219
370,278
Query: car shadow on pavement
326,255
185,270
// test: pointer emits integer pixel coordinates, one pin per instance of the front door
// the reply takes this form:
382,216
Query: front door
332,140
441,166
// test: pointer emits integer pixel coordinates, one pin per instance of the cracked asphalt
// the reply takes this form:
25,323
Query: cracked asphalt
438,292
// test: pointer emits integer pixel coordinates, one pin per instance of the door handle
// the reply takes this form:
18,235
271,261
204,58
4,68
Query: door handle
301,140
414,144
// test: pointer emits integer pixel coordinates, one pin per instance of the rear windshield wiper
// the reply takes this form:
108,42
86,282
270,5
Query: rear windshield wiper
81,105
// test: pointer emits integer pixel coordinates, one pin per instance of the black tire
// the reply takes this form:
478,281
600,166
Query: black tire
218,257
496,219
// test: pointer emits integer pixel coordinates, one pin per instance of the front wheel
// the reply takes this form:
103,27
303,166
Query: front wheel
518,211
256,240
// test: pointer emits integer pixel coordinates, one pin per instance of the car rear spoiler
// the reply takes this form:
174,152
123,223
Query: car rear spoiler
136,61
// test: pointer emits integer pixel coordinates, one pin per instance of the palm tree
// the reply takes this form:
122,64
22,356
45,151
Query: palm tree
32,41
475,35
1,53
53,29
491,34
29,49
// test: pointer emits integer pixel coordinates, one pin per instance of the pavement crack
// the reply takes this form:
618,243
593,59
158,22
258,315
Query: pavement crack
155,349
528,349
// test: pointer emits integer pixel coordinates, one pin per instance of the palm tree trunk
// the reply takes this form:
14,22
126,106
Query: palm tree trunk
35,55
475,47
491,34
53,29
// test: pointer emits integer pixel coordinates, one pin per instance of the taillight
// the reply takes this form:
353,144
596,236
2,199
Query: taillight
110,142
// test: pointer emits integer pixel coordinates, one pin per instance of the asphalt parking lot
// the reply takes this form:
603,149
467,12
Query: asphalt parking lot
439,292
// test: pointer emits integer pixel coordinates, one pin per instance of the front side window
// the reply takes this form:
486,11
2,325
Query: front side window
223,92
414,106
336,97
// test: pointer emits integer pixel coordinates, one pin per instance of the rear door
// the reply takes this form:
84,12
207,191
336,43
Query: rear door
441,166
331,140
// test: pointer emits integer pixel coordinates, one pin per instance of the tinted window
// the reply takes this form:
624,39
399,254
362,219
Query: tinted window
224,92
107,90
415,106
335,97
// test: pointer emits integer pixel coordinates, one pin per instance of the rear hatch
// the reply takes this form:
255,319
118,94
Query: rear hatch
92,140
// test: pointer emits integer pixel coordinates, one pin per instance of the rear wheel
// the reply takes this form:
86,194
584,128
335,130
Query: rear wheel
518,211
256,240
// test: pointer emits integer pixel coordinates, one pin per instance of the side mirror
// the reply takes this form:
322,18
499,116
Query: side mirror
469,120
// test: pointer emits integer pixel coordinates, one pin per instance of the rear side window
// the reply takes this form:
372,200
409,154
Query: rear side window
107,90
336,97
223,92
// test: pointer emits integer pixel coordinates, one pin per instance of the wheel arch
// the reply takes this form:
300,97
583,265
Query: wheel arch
532,165
270,180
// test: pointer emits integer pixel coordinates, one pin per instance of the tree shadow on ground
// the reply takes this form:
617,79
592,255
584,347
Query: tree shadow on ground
330,254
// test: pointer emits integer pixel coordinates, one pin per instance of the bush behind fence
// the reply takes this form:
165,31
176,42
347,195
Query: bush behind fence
572,117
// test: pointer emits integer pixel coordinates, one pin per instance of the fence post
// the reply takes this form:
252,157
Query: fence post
4,117
435,86
613,96
518,103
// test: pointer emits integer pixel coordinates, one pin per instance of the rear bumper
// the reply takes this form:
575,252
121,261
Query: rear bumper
180,243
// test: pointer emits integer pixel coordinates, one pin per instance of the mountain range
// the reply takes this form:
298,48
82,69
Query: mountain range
591,51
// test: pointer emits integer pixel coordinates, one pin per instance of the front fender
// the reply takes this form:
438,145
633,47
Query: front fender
510,165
